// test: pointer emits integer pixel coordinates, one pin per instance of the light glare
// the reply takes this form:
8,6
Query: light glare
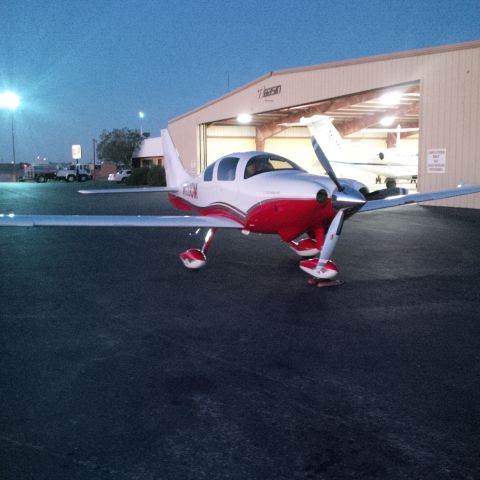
391,98
387,121
244,118
9,100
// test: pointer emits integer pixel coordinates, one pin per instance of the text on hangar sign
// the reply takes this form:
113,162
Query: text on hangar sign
269,91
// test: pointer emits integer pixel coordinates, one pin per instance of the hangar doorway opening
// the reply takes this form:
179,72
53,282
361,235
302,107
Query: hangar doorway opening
379,128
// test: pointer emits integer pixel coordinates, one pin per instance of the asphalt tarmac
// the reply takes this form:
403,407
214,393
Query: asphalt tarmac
118,363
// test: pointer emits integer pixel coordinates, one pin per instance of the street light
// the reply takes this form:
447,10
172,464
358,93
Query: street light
10,101
141,115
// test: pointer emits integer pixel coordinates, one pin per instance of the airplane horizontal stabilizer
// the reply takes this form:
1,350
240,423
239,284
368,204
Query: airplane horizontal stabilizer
418,197
130,190
12,220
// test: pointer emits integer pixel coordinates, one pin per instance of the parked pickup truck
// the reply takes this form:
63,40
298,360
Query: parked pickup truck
71,173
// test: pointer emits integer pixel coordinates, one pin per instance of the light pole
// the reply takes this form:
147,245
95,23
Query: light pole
11,101
140,116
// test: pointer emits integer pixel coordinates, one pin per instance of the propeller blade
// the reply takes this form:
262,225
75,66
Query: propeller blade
322,158
334,231
322,267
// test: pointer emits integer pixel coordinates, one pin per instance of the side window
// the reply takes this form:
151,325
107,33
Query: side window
208,173
226,168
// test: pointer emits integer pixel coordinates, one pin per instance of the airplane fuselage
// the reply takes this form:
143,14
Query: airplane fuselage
401,168
281,201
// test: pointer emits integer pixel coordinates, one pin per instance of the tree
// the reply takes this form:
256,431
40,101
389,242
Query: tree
118,145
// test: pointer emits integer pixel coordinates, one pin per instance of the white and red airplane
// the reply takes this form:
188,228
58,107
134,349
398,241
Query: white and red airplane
254,192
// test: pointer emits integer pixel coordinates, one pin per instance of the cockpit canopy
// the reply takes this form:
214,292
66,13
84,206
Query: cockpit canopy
268,162
249,166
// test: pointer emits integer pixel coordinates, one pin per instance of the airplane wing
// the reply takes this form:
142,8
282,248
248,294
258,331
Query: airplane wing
12,220
130,190
418,197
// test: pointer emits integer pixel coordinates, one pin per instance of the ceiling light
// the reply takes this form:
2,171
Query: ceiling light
244,118
391,98
387,121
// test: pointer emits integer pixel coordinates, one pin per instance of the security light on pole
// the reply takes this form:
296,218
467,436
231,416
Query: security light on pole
141,115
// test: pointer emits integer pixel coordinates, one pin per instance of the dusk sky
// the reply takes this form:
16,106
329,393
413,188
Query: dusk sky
80,67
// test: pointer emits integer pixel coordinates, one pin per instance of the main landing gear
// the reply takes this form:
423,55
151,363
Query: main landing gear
322,271
389,182
195,258
306,247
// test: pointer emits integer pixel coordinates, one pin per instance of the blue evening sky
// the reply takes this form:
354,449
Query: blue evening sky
84,66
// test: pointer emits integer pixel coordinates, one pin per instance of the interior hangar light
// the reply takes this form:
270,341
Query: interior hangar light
387,121
244,118
391,98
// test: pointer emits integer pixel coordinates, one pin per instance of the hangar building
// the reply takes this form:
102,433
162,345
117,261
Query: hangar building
435,90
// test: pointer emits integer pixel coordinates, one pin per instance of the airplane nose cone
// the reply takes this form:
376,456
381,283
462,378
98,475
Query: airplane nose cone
348,198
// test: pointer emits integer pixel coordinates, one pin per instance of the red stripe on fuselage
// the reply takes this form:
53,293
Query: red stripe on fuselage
179,203
288,218
213,210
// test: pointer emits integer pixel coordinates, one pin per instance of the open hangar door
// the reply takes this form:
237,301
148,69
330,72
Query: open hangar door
378,127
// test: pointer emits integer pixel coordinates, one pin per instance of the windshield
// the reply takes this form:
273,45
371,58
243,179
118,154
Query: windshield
268,163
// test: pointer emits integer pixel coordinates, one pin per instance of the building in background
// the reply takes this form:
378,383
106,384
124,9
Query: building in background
149,153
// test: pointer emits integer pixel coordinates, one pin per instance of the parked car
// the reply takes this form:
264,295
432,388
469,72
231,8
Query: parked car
119,176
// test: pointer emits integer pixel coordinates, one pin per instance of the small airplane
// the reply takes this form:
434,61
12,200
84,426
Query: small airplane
393,163
254,192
